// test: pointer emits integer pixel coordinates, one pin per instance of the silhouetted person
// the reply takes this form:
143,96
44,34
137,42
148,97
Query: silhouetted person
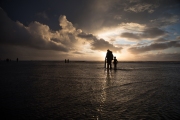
115,63
68,60
17,59
109,58
65,61
7,60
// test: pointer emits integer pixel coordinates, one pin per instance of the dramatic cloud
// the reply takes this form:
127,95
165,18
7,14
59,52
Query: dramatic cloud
104,45
127,30
166,20
66,25
161,40
146,34
39,36
141,8
154,46
99,44
132,26
87,36
35,35
153,32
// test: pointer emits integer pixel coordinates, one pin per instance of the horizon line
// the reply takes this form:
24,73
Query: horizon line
99,60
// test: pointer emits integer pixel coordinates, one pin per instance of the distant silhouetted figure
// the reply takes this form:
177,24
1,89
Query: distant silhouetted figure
109,58
65,60
7,60
115,63
17,59
68,60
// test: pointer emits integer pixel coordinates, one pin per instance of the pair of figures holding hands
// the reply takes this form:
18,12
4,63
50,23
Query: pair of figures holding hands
109,57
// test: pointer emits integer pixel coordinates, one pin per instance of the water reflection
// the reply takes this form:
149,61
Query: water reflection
104,93
109,76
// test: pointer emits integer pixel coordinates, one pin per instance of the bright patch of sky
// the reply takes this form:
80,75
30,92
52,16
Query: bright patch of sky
124,42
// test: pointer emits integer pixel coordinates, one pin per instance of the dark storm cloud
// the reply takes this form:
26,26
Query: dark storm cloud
15,33
104,45
147,33
154,46
87,36
99,44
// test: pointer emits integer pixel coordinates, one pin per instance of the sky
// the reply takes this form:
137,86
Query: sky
134,30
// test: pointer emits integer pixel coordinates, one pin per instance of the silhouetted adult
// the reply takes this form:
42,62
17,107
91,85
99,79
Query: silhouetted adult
115,63
109,58
17,59
68,60
65,60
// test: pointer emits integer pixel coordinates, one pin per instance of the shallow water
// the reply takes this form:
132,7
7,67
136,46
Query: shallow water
85,90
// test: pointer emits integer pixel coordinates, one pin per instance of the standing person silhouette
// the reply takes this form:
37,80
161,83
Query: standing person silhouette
109,58
115,63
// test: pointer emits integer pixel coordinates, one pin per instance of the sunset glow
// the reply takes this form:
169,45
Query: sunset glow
133,30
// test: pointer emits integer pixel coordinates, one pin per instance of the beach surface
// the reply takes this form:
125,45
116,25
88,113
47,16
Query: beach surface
85,90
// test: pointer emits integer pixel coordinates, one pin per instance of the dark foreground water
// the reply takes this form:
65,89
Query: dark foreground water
85,90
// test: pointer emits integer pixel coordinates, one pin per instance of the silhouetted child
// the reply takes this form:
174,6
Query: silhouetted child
115,63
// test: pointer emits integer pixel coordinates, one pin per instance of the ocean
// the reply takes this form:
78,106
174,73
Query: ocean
85,90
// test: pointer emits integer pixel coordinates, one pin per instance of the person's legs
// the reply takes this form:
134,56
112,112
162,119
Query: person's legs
115,66
108,64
